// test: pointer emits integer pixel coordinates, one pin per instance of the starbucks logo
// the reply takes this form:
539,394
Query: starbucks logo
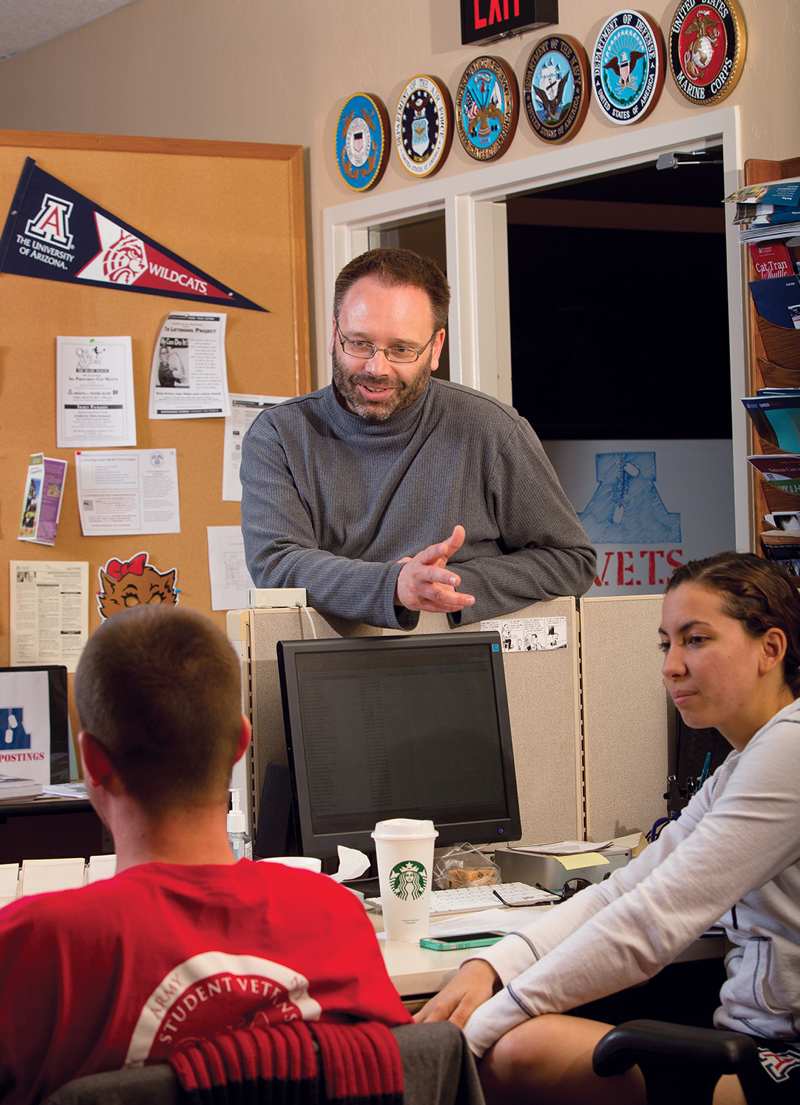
408,880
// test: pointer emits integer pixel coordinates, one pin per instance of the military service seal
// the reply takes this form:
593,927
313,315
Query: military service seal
487,108
362,146
423,125
707,47
628,67
556,88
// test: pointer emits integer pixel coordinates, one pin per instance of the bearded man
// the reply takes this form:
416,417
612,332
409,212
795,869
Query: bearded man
389,492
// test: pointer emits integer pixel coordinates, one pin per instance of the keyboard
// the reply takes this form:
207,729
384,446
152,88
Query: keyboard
468,899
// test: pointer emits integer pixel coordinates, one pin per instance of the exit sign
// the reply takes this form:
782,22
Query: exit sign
484,20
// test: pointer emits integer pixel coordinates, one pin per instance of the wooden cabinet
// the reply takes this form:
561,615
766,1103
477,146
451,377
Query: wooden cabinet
778,366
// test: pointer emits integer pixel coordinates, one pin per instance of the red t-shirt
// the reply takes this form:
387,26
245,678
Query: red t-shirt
122,971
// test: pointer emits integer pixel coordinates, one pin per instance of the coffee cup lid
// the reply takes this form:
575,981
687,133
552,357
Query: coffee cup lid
398,828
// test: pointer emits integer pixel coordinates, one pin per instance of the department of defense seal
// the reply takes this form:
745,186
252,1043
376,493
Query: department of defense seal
556,88
707,47
628,67
423,125
362,146
487,108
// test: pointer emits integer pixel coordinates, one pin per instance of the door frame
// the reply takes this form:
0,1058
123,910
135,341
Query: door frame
477,263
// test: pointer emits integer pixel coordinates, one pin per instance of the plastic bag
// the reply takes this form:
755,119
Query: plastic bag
464,865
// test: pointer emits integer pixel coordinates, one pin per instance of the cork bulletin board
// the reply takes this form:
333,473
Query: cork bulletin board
234,210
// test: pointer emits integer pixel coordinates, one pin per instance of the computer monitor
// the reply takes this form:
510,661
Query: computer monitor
412,726
34,717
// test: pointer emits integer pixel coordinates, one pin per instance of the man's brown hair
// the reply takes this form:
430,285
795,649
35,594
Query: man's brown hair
159,688
397,267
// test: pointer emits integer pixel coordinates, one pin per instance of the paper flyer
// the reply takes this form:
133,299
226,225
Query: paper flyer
245,409
49,611
128,491
41,503
230,579
25,725
189,375
94,393
529,634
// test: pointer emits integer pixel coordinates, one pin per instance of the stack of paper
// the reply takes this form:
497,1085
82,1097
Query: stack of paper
764,210
13,788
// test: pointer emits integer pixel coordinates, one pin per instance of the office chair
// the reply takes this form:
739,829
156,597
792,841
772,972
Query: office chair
437,1065
679,1063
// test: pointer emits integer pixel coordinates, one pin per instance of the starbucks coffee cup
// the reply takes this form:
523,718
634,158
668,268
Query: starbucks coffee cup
404,858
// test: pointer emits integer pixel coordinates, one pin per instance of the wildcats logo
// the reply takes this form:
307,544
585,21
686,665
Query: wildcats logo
54,233
125,259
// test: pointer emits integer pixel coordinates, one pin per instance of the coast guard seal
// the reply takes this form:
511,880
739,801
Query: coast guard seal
362,148
487,108
707,47
423,125
556,88
628,67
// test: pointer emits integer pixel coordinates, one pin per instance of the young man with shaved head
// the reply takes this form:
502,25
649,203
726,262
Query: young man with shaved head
184,941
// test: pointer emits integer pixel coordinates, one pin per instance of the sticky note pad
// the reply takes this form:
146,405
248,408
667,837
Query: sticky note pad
582,859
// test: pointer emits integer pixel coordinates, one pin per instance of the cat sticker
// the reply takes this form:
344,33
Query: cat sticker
134,582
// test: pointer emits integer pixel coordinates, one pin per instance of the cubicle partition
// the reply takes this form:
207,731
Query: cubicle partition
625,720
588,721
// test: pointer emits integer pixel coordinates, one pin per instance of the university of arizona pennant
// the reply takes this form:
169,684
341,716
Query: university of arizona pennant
55,233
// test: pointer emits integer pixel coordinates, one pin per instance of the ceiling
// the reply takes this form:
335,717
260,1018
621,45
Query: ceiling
28,23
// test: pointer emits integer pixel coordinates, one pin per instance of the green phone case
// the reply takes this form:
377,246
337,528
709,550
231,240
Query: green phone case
457,945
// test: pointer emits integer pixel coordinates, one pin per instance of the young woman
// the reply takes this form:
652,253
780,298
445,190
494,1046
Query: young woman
730,634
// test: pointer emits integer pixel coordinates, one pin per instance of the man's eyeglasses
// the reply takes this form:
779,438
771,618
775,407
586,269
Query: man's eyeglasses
399,353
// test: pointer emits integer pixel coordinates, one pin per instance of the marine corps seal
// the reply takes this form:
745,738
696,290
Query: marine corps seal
707,47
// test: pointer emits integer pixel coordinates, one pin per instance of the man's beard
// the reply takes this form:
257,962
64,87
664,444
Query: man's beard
404,393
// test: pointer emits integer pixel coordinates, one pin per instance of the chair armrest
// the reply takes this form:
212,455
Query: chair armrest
678,1063
706,1048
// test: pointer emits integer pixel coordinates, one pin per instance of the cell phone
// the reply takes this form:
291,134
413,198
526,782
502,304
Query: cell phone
459,943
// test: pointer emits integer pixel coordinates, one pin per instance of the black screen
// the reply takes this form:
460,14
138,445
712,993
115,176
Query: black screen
399,727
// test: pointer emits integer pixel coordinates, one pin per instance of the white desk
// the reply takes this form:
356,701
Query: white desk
418,972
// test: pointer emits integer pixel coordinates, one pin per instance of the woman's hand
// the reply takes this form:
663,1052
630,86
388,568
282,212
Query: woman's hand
460,997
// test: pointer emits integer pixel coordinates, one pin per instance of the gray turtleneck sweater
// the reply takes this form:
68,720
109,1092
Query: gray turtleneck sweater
331,502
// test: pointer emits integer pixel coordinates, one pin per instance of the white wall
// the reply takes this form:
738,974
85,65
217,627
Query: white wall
278,71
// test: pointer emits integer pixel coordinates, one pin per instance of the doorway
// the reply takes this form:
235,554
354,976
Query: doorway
619,354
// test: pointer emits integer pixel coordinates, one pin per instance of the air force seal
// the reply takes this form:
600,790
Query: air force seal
362,148
556,88
487,108
423,126
628,67
707,47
